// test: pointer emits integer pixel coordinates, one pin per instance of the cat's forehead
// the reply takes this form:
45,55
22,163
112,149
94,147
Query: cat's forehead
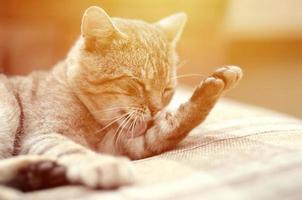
143,36
144,65
145,51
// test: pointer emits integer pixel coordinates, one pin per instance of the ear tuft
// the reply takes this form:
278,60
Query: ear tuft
173,26
97,23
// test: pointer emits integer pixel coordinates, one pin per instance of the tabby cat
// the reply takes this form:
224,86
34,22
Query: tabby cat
105,102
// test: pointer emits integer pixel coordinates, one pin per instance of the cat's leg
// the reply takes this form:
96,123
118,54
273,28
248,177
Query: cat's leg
170,128
9,118
9,123
82,165
14,170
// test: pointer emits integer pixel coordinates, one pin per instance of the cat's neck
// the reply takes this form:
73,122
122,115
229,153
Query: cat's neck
59,73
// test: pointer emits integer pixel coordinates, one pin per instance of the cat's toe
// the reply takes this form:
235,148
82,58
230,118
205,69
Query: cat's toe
117,173
222,79
102,173
209,87
229,74
38,175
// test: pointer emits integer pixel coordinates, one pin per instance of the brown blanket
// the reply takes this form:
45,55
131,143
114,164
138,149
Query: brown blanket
240,152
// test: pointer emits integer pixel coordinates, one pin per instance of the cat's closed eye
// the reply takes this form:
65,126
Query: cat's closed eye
168,90
134,87
126,86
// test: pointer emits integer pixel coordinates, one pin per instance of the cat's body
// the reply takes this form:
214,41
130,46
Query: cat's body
48,104
108,97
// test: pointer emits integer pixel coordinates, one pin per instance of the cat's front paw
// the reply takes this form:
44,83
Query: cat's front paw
229,74
99,171
40,175
29,173
222,79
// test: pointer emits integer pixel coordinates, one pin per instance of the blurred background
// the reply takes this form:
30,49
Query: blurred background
264,37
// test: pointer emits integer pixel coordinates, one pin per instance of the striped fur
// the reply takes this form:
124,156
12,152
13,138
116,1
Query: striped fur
107,97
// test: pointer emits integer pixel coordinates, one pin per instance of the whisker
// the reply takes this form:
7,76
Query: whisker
142,119
106,119
189,75
128,120
110,123
116,108
181,64
117,130
133,125
123,125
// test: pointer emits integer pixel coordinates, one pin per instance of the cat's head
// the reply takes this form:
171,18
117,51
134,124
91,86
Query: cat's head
123,69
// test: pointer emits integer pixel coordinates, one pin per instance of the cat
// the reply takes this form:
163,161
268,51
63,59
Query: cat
103,105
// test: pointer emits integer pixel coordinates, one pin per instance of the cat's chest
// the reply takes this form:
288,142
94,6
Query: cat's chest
84,127
48,106
77,124
56,110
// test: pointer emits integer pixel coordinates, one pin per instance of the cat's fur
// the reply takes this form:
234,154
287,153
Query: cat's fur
121,71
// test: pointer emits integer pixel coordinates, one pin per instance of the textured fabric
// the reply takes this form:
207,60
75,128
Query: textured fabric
239,152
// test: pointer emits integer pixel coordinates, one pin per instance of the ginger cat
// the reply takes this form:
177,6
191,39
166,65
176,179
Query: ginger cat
107,97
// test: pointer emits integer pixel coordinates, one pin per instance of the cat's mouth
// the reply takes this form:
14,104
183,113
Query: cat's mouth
133,130
136,130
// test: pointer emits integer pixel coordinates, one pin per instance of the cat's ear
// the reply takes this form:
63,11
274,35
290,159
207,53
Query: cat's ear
173,26
96,23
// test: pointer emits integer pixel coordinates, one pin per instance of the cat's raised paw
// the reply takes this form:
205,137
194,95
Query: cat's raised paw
212,87
208,88
100,171
229,74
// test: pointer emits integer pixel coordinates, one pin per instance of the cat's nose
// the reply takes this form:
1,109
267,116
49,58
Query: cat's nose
155,108
155,103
